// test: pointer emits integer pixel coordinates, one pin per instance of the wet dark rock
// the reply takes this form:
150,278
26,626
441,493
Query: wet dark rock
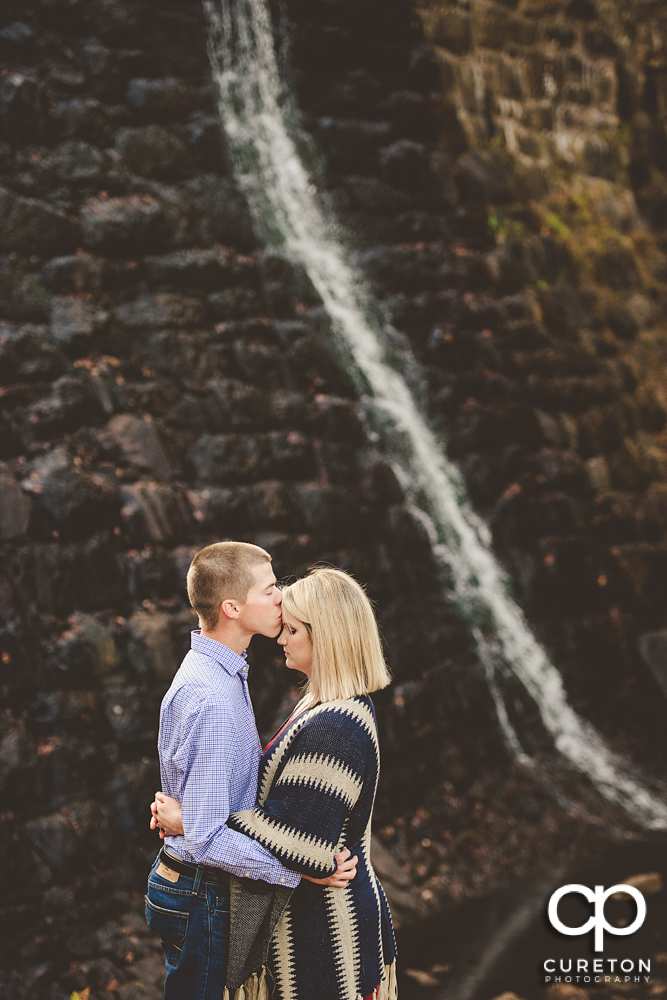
160,99
154,151
616,267
404,165
481,179
128,224
22,296
259,363
18,753
78,502
490,25
154,512
452,29
376,195
23,106
235,303
644,566
653,648
352,145
139,439
160,310
209,269
216,213
327,510
338,419
237,458
14,506
75,162
83,117
27,353
139,991
75,322
583,10
61,838
621,321
122,709
654,506
71,403
148,572
61,579
562,469
29,226
220,510
380,486
87,649
84,273
153,646
17,34
204,138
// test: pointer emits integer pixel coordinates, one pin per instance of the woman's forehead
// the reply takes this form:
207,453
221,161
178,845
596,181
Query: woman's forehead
290,619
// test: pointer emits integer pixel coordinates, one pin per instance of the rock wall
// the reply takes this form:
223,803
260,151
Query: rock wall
486,159
166,382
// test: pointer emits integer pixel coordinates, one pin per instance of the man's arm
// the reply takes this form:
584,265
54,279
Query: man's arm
205,759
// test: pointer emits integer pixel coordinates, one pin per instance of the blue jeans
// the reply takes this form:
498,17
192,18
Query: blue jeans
192,918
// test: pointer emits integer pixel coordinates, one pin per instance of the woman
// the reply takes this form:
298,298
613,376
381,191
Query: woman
317,783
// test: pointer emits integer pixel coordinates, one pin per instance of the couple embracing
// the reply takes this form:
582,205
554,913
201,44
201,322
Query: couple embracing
264,886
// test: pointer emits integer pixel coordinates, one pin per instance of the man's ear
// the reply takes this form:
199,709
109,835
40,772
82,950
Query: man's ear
229,609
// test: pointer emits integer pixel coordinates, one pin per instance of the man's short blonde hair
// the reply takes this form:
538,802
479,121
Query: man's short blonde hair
222,572
347,652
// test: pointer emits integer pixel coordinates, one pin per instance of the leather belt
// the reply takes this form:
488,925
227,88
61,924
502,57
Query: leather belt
208,873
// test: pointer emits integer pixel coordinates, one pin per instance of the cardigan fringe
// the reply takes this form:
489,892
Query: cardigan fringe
257,987
389,985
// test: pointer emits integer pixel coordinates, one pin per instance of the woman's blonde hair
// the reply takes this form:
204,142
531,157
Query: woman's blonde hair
347,653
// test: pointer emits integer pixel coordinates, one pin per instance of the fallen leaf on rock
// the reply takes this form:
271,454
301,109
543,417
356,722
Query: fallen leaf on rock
82,995
566,991
422,977
508,995
440,970
648,883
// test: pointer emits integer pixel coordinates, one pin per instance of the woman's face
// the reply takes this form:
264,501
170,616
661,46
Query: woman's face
295,640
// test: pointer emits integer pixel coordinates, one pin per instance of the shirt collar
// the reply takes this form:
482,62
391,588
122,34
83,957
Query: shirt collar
226,657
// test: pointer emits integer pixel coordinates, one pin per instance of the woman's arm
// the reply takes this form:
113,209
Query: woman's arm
303,818
167,816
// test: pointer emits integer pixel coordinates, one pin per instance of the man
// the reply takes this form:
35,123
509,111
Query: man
209,758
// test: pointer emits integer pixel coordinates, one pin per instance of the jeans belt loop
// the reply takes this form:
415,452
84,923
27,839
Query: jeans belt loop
195,887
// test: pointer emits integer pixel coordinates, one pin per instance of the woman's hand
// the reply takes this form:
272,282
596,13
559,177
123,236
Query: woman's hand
166,815
347,869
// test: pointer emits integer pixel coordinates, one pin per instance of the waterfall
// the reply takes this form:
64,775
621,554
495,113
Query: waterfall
260,130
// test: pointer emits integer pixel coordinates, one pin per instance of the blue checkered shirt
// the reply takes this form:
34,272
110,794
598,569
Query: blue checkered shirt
209,759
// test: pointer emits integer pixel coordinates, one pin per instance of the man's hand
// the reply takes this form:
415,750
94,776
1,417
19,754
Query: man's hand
347,869
155,825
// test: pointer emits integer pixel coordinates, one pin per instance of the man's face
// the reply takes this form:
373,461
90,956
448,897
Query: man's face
260,614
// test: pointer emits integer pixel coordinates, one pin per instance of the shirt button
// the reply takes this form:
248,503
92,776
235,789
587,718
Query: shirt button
247,875
282,880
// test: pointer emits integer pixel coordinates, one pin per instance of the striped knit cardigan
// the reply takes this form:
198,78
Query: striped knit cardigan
317,786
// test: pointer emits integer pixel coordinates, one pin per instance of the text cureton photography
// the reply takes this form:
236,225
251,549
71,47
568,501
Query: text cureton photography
597,970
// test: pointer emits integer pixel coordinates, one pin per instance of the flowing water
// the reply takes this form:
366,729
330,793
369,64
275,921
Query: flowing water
264,143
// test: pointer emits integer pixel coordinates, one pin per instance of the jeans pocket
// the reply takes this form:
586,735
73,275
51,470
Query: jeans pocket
171,925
